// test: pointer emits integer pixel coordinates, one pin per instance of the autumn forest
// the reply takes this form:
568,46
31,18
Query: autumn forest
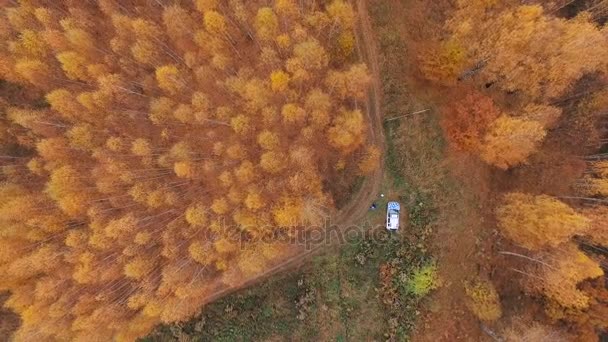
156,154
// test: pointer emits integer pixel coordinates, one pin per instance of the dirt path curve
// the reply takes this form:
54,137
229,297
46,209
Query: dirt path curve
359,204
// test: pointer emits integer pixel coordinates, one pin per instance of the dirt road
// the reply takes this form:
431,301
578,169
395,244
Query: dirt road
357,208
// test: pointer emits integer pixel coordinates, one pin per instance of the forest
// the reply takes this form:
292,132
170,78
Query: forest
151,150
156,154
529,101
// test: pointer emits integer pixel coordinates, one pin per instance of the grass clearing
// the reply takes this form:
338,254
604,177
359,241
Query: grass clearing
336,298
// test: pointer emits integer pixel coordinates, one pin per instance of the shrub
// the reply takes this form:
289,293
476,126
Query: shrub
482,300
423,280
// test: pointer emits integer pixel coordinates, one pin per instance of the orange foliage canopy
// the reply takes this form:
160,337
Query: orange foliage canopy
510,141
542,223
443,63
465,122
598,231
596,182
170,131
559,277
528,50
537,222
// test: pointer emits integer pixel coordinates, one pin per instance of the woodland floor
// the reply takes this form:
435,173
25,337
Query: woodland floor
455,183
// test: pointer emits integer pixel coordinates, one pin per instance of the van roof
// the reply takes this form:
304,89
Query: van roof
393,222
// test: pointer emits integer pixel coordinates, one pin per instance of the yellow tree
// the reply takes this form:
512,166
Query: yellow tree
74,65
139,267
536,222
31,43
559,279
286,8
443,63
598,231
341,13
272,162
220,206
596,181
254,200
67,188
225,246
345,46
141,147
178,22
196,215
241,124
600,168
145,51
293,114
347,131
311,54
483,300
527,50
161,110
35,72
268,140
250,262
593,186
83,137
279,81
510,141
203,252
81,41
288,212
169,78
546,115
256,93
319,105
184,113
351,83
246,172
185,169
65,103
266,24
215,23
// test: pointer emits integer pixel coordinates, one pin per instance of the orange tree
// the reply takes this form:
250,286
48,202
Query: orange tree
466,121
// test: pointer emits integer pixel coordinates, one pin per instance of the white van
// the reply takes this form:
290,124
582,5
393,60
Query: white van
392,215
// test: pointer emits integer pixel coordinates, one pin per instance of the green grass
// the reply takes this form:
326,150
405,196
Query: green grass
335,298
252,314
